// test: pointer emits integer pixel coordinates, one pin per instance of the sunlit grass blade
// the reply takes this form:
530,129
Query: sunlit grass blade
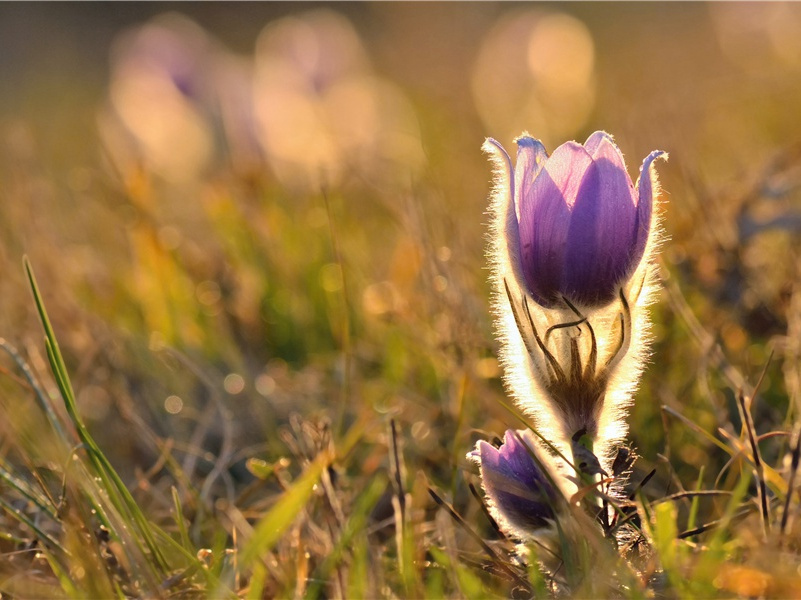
708,563
470,585
20,486
212,581
41,397
665,534
486,547
699,430
257,579
179,519
18,515
772,477
759,472
14,588
795,456
112,484
691,519
279,518
355,525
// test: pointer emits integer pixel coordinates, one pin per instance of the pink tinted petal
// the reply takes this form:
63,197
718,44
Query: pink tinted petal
600,247
592,143
601,144
645,189
544,205
566,168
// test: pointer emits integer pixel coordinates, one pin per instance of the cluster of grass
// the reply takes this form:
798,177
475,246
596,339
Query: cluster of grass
354,484
246,390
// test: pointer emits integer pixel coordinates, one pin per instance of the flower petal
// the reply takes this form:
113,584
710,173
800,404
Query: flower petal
545,203
645,190
592,143
598,145
502,161
513,480
600,243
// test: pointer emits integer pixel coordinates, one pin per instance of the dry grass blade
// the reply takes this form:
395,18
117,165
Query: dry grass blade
278,519
795,458
713,524
472,533
397,472
748,425
490,518
691,494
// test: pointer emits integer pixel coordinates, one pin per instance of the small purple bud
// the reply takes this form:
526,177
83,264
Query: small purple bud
583,227
520,494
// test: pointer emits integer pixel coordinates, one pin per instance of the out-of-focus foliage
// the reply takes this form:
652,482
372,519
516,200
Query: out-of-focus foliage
259,234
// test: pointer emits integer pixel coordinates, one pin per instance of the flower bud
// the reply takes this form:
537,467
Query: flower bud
520,495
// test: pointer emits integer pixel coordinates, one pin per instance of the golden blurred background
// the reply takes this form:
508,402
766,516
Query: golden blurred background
251,210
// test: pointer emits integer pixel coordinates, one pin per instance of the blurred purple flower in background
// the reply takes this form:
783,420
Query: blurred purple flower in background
179,100
322,111
520,495
582,225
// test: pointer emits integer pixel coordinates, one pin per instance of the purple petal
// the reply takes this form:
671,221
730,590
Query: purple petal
493,146
645,203
544,205
515,483
531,157
601,237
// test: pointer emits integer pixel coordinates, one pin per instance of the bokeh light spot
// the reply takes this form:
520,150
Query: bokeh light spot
173,404
234,383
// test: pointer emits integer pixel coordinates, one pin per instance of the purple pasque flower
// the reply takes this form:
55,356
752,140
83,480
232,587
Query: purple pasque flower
521,496
582,225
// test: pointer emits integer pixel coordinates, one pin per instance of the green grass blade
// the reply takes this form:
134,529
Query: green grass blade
40,501
691,519
469,583
118,493
23,518
41,397
355,525
180,521
257,580
270,528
